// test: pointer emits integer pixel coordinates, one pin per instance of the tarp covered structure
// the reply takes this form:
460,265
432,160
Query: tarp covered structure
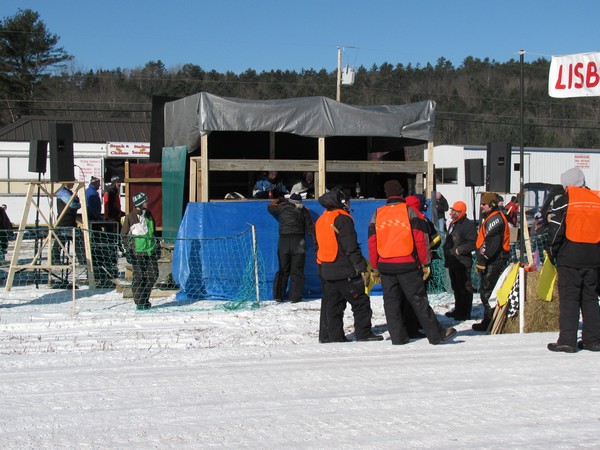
188,118
194,267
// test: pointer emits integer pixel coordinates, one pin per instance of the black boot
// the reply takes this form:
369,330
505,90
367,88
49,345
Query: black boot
371,337
488,314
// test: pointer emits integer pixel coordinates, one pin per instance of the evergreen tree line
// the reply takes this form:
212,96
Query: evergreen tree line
477,102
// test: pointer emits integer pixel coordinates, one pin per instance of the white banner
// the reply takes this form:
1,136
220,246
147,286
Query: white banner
127,150
575,76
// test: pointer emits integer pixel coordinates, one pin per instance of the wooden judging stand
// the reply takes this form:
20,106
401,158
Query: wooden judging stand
48,239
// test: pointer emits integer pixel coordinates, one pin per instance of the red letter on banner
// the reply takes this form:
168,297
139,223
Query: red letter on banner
559,83
592,78
578,75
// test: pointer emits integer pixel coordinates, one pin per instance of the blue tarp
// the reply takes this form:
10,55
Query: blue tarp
225,219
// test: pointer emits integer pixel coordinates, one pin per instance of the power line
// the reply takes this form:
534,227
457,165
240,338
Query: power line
534,125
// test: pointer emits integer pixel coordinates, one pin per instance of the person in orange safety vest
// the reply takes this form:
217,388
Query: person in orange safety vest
574,246
493,252
399,251
343,272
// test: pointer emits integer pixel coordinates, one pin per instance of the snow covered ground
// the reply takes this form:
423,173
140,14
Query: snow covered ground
199,376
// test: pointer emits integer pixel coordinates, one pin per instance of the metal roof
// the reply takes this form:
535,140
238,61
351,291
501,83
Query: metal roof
91,131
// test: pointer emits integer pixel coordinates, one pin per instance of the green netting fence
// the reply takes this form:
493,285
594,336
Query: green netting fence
54,268
96,269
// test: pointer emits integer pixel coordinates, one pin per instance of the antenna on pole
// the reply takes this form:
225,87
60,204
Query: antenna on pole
348,75
345,76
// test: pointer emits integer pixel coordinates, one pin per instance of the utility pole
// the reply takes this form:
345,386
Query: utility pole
338,94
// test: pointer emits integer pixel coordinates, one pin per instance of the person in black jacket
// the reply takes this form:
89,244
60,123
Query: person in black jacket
294,222
418,205
460,243
493,252
343,272
441,205
574,245
5,232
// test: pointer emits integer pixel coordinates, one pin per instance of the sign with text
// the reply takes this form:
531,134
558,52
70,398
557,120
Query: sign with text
582,161
575,76
85,168
127,150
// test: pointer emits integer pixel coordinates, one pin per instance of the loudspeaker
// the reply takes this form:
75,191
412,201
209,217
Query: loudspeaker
61,152
157,126
498,167
38,151
474,172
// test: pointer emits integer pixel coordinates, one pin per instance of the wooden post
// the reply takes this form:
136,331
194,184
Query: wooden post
86,236
73,276
430,169
204,168
338,92
194,179
126,180
419,182
321,176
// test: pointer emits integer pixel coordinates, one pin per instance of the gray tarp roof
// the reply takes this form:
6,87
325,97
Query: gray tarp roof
190,117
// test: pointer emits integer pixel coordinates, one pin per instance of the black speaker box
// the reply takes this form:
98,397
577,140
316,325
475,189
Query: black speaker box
61,152
157,126
38,152
498,167
474,172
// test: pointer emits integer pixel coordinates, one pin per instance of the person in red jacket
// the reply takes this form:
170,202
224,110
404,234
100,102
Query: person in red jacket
112,201
512,210
399,250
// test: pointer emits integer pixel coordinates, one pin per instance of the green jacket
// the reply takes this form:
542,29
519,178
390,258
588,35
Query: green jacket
145,243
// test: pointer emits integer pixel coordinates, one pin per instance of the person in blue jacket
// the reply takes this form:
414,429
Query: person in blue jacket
269,186
66,210
92,200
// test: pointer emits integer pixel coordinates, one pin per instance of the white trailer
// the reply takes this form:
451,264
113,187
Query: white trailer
542,165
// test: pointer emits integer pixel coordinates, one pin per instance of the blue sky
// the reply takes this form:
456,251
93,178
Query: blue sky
227,35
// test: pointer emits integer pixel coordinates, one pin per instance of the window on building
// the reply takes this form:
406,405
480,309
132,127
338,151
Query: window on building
446,175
